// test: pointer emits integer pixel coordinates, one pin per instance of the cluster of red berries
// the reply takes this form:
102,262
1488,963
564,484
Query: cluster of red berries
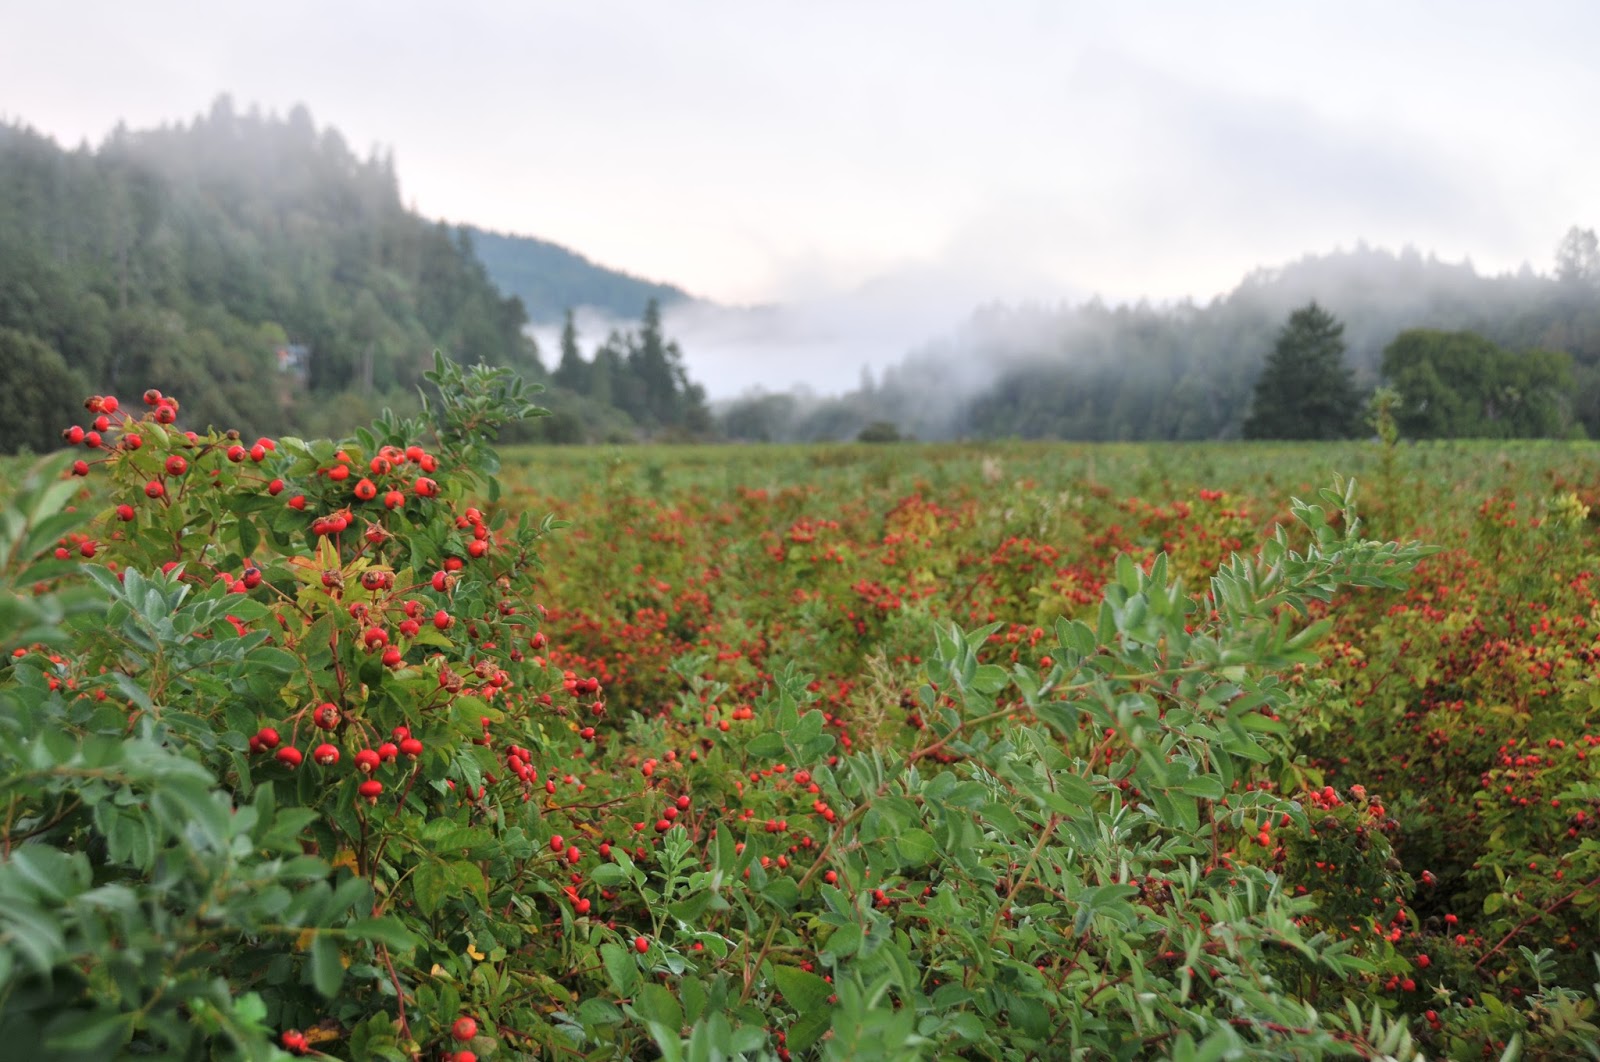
326,716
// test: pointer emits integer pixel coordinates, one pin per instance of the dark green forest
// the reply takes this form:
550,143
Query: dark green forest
1093,371
263,270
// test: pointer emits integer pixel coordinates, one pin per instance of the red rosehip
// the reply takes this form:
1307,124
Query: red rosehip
371,789
326,715
298,503
464,1029
641,944
154,489
237,453
124,512
425,487
325,754
411,747
367,761
289,756
176,465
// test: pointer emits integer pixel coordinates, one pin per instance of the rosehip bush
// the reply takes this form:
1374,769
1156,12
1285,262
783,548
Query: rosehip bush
296,774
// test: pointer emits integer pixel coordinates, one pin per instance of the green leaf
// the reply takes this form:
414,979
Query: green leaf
766,745
1206,786
916,847
622,971
98,1035
782,892
656,1003
804,991
694,999
1003,819
608,874
387,931
431,884
327,968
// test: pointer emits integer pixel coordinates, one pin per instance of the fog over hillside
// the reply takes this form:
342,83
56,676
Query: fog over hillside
1086,368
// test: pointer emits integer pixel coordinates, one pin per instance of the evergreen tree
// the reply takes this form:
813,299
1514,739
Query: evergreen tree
1306,391
650,365
573,372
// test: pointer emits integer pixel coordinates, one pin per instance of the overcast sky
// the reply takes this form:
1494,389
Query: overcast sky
937,152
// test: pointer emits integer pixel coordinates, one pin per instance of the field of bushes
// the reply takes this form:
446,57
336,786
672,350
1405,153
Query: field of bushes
398,748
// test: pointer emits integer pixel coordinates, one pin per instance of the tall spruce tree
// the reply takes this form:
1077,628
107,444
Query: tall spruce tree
1306,391
572,372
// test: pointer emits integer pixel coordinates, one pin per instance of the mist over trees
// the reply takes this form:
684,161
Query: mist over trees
255,265
1184,371
270,276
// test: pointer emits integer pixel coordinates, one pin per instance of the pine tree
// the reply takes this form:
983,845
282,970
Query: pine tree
1306,391
573,372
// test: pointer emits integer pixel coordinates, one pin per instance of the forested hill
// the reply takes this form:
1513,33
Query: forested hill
550,279
1186,371
255,266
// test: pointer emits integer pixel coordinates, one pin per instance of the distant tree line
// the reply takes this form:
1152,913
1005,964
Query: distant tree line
1447,385
1190,372
639,374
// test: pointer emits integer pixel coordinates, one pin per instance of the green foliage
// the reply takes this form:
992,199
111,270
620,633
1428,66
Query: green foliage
880,825
40,393
879,431
1456,385
1306,390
